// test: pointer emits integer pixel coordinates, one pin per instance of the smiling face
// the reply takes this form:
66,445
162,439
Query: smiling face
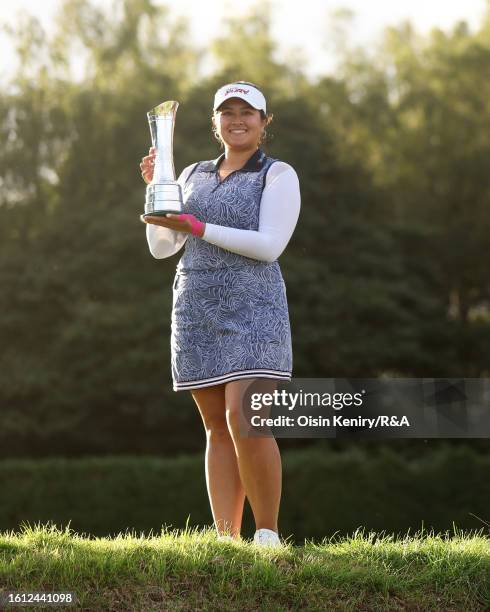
238,124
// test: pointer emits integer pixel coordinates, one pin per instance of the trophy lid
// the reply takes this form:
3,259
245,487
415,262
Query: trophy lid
164,109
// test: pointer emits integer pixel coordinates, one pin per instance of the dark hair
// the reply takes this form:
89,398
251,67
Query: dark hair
263,116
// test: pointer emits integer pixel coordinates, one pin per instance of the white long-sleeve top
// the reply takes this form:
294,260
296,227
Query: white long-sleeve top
279,212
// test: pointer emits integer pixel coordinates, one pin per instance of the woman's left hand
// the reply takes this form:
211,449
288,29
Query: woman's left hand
186,223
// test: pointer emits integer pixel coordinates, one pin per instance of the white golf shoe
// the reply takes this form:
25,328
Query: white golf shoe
267,537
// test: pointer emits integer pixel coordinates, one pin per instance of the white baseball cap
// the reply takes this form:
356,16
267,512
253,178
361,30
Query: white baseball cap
240,89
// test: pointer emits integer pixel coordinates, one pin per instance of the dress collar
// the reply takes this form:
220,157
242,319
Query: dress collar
254,163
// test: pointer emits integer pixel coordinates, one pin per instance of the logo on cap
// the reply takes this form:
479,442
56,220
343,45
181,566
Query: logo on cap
237,90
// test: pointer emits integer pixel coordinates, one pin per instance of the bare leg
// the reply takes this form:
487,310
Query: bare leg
225,489
259,459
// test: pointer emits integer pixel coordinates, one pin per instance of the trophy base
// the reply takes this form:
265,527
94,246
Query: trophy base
162,213
163,198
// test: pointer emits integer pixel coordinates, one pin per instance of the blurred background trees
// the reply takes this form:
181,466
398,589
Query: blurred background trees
386,272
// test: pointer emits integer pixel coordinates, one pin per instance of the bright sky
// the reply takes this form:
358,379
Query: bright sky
299,24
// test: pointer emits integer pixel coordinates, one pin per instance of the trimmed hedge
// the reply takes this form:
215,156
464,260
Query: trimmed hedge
324,492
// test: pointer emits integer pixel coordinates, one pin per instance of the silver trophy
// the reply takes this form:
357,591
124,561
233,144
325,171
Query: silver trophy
163,194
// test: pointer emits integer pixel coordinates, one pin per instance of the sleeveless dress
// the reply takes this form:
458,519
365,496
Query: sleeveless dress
230,316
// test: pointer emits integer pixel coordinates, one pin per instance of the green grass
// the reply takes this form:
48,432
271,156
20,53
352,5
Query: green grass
191,570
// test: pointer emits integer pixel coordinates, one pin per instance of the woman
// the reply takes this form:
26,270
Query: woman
230,321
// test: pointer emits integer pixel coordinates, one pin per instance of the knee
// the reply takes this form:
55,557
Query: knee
240,424
217,428
234,418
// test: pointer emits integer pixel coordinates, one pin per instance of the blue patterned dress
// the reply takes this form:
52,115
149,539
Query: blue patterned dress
230,316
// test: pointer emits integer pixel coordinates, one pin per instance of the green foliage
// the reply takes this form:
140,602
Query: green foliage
324,492
386,271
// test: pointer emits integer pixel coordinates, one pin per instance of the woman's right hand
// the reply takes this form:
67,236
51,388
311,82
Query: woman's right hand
148,165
